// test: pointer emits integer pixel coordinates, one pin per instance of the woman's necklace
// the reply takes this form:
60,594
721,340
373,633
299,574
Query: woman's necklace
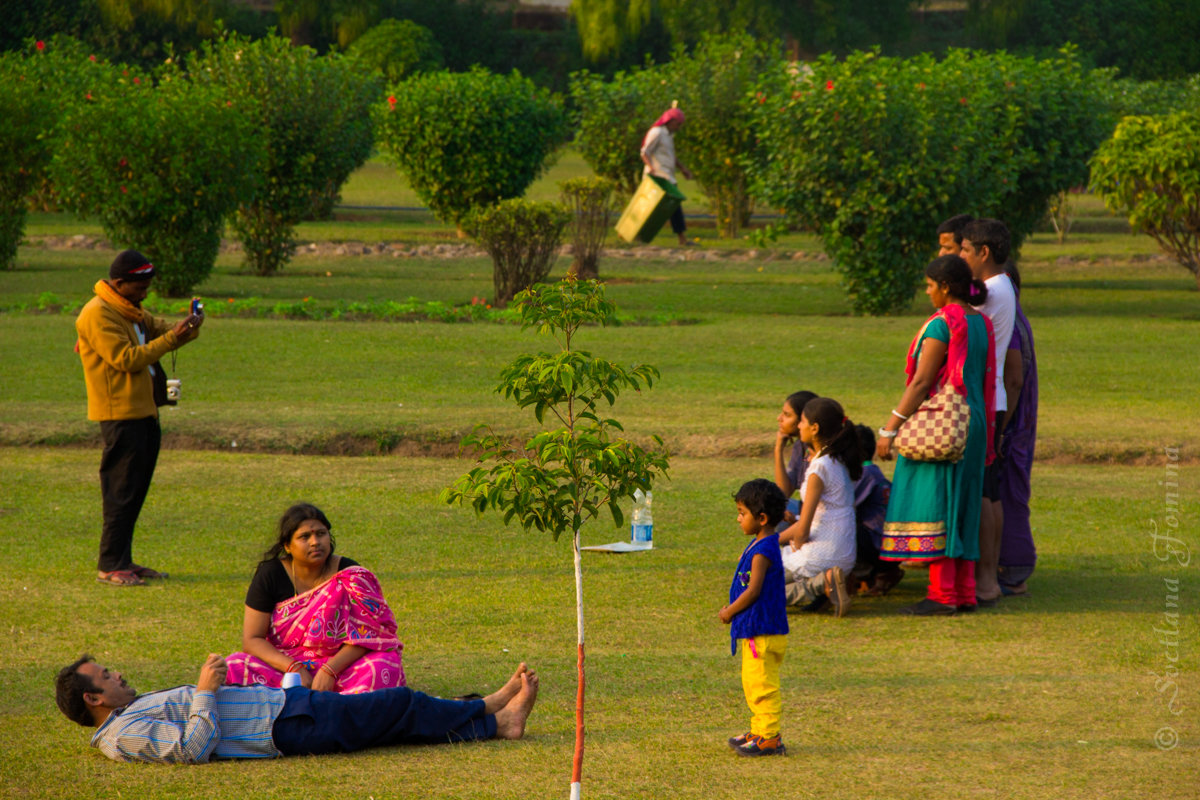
296,584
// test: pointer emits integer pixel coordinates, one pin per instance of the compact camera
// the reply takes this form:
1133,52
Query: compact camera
173,385
197,307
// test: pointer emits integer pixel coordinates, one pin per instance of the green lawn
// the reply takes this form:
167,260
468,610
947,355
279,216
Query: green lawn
1050,696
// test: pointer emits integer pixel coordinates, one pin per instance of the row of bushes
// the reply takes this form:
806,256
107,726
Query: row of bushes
250,132
871,152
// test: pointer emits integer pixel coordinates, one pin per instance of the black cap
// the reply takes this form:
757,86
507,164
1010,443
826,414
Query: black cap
130,265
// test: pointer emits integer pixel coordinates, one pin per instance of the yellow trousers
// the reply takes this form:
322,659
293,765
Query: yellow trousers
761,657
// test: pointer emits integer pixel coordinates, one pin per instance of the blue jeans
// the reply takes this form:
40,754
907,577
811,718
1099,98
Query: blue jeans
328,722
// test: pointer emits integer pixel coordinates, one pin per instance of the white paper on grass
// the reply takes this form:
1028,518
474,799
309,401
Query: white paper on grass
620,547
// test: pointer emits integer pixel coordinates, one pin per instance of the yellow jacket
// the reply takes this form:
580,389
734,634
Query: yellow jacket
116,365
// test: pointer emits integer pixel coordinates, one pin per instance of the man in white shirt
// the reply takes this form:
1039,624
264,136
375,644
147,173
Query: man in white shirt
985,248
658,154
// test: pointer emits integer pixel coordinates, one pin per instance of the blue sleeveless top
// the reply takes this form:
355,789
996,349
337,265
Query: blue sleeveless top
768,614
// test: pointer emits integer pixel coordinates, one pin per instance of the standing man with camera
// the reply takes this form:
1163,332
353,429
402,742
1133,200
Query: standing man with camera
120,345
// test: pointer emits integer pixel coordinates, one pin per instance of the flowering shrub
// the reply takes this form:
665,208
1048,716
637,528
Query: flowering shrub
1150,172
312,115
160,167
24,151
68,75
590,202
465,140
874,152
522,238
397,49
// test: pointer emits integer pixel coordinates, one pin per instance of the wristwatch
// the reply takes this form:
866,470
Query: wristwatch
886,434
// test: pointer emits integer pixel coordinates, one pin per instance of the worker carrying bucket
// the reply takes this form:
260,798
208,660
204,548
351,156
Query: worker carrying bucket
658,197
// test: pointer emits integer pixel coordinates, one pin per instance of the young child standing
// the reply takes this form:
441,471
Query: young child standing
822,539
757,616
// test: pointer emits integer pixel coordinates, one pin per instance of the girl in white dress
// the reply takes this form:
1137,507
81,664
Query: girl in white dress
819,548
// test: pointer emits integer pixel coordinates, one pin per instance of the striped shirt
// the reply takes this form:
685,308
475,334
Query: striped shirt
186,726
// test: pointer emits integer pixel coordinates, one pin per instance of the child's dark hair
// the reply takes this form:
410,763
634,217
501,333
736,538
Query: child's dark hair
797,400
991,233
866,441
837,432
956,275
955,226
761,496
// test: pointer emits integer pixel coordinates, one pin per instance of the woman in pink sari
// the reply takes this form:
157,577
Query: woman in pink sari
316,613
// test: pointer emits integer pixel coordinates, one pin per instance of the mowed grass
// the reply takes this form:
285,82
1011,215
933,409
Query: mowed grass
1048,696
1117,341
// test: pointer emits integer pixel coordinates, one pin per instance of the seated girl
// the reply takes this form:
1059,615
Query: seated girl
819,548
789,469
316,613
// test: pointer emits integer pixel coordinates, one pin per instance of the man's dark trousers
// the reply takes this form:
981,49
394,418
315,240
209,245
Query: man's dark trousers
126,468
328,722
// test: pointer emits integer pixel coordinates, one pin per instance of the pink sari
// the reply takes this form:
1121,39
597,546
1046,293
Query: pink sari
312,627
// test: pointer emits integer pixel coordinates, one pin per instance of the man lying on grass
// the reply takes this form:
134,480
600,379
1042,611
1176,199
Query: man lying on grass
192,724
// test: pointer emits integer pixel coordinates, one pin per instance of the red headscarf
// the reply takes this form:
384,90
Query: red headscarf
671,114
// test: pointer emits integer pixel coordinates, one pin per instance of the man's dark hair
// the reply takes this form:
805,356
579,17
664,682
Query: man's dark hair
991,233
69,688
955,225
761,496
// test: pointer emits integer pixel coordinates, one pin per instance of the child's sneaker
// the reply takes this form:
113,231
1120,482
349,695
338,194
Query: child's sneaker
759,746
737,741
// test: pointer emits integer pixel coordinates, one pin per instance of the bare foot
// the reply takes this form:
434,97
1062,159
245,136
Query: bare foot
510,720
499,698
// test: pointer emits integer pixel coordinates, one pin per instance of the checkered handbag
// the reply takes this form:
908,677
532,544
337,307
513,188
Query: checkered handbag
937,431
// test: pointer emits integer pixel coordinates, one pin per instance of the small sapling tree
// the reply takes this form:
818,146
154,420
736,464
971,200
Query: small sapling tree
561,478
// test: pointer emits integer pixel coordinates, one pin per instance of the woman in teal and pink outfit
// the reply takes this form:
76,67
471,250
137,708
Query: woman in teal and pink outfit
933,513
316,613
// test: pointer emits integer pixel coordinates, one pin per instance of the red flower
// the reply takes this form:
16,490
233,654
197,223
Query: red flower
920,85
829,85
91,58
962,100
122,163
137,80
88,95
392,101
124,190
796,95
40,45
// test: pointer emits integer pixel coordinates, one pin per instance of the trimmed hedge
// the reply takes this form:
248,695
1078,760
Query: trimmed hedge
874,152
312,115
467,140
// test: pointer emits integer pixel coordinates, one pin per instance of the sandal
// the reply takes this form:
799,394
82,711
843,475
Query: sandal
147,572
120,577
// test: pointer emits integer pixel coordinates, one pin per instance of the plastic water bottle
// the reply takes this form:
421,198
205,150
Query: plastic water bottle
290,679
641,521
